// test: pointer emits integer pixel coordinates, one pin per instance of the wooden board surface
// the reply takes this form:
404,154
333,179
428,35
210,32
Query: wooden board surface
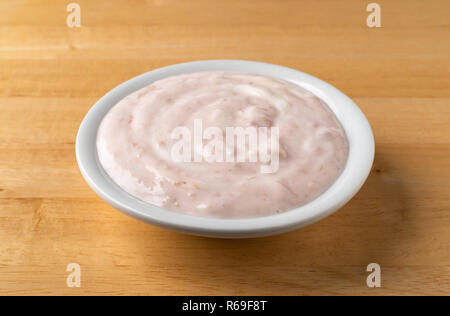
50,75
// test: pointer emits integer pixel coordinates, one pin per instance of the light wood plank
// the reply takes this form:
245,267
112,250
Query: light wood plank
51,75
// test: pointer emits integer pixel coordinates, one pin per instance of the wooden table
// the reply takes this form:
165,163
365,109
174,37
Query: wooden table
50,75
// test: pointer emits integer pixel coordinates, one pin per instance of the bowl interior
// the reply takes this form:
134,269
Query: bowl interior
359,162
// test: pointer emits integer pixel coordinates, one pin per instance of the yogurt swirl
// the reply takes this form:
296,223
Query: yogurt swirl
134,145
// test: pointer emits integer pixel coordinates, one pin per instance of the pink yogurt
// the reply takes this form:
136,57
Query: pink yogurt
135,144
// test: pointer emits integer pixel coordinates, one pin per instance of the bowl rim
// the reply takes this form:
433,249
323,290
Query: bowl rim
358,166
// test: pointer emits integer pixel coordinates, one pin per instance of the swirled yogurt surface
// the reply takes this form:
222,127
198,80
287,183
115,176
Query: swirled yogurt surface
135,142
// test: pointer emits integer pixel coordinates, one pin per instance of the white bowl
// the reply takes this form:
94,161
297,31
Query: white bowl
359,163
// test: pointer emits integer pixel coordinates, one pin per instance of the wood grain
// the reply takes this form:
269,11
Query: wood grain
50,75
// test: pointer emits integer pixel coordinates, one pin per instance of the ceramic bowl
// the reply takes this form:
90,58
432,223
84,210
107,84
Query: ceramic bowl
358,166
